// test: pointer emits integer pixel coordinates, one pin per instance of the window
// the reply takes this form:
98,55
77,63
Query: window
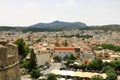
115,59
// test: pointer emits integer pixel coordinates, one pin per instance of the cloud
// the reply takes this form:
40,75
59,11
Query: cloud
27,12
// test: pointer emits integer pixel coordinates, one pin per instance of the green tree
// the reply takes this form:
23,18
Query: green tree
32,61
111,47
83,66
113,64
51,77
96,64
71,57
66,57
111,75
57,44
90,65
24,64
22,50
35,73
96,77
110,71
75,66
69,62
57,58
106,68
77,35
66,43
105,64
118,64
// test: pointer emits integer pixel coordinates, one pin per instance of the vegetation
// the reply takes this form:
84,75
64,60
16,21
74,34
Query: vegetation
23,49
111,47
35,73
6,28
24,64
96,77
69,62
39,40
106,68
57,44
69,57
83,66
75,66
65,43
96,64
78,36
24,29
42,29
32,61
57,58
104,27
51,77
111,75
85,36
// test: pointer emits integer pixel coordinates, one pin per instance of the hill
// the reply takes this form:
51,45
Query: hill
112,27
59,24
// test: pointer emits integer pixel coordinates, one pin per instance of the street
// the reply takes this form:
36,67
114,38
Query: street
53,66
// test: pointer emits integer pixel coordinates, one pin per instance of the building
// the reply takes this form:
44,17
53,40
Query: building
63,51
87,57
43,56
9,62
114,57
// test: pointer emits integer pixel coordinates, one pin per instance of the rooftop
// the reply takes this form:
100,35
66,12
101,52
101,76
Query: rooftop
64,48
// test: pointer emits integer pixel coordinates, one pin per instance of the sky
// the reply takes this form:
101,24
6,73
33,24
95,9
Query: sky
29,12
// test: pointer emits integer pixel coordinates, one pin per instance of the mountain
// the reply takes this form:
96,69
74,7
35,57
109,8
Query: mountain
59,24
112,27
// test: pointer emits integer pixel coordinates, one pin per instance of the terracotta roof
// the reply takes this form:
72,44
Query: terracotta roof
64,48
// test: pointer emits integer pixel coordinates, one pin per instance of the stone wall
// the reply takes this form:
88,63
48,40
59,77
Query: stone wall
9,62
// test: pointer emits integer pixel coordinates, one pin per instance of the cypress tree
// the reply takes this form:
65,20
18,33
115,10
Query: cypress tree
33,61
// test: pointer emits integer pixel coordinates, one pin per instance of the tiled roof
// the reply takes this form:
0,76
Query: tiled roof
64,48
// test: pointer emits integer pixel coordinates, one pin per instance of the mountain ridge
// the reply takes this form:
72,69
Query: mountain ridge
59,24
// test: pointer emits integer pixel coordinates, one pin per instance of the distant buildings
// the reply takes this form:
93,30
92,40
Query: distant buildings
49,44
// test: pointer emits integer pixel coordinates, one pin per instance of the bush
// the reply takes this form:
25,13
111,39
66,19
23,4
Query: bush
111,75
57,58
96,77
69,57
51,77
35,73
69,62
96,64
106,68
24,64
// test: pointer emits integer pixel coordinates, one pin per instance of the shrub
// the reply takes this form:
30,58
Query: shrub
51,77
97,77
35,73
